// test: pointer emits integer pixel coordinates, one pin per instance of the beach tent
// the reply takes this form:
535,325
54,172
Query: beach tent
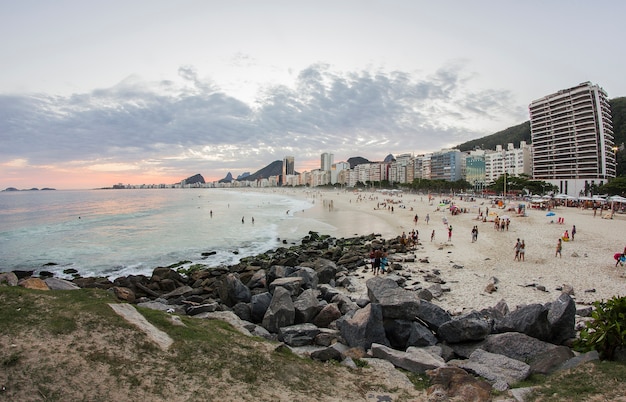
616,198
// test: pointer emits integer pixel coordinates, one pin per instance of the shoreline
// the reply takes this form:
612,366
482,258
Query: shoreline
586,264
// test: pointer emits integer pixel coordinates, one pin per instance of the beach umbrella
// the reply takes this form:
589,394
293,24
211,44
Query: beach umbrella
550,214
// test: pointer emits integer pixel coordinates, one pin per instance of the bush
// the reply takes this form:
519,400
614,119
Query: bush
607,329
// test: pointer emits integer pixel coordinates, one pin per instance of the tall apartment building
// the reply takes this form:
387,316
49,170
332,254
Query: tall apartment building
446,165
510,160
288,168
326,161
572,137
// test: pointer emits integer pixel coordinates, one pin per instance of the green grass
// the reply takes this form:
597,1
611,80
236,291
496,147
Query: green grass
600,379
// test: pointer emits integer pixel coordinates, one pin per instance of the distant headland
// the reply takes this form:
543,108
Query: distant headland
28,189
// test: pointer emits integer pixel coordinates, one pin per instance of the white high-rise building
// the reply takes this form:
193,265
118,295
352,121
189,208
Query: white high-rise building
326,161
572,137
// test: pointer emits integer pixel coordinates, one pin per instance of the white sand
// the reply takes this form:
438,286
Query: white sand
587,262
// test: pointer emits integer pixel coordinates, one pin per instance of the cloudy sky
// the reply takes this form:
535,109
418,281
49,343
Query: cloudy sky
94,93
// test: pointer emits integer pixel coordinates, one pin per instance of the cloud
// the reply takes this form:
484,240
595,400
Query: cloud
193,126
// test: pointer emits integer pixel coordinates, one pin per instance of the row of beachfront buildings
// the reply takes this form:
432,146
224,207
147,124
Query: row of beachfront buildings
572,148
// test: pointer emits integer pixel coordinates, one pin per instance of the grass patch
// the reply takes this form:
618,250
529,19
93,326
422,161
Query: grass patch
600,379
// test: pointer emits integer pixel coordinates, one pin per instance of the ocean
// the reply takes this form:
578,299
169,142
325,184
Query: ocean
115,233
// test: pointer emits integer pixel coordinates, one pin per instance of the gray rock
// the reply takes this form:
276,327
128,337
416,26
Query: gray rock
327,314
403,333
232,291
307,306
59,284
155,305
363,327
580,359
292,284
327,337
344,303
562,319
226,316
181,291
464,330
281,312
308,275
516,345
259,304
494,368
395,301
432,315
258,280
416,360
531,320
550,360
325,269
202,308
299,334
8,278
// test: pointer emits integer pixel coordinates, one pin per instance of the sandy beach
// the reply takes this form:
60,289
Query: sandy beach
586,264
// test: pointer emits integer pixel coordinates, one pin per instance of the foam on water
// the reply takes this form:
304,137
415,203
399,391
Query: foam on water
122,232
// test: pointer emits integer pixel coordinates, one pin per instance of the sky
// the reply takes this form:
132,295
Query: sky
97,93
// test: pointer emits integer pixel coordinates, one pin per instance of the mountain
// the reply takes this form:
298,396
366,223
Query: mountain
357,160
227,179
243,175
197,178
273,169
514,134
521,132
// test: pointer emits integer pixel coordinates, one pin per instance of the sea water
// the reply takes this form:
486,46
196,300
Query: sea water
116,233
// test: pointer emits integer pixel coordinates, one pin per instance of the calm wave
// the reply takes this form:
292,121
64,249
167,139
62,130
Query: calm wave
121,232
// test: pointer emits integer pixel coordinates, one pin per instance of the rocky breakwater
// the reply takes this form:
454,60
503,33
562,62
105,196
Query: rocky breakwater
305,296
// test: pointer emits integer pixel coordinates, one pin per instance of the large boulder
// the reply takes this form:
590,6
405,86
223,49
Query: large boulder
562,319
327,315
291,284
308,275
432,315
232,291
499,370
278,271
258,280
403,333
325,269
60,284
531,320
395,301
364,327
33,283
299,334
259,304
281,312
8,278
516,345
416,360
307,306
464,329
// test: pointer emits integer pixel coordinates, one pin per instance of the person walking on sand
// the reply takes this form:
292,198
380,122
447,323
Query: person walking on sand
432,235
427,218
517,246
559,247
573,232
522,250
450,233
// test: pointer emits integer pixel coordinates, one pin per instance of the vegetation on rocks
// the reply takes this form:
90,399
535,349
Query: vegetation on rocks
606,332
